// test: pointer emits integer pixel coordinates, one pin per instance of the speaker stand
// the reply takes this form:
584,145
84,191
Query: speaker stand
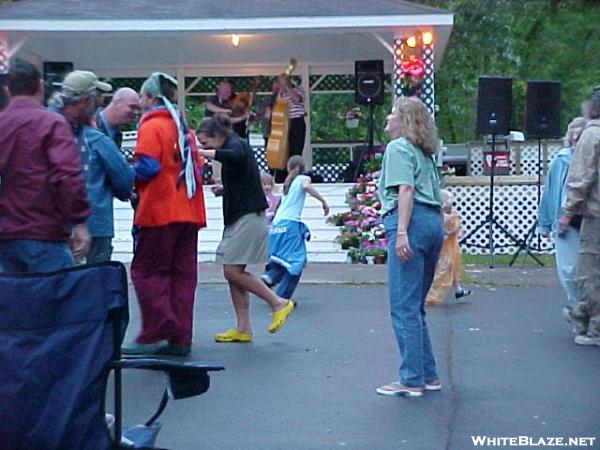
368,149
490,220
525,244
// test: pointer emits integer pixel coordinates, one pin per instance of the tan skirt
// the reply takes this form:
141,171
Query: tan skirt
244,241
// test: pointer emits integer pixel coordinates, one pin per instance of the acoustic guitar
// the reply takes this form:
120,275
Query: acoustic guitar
277,151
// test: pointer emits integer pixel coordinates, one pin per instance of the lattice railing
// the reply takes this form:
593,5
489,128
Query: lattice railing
515,208
523,157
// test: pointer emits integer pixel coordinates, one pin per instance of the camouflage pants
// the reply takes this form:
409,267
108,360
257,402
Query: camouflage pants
587,311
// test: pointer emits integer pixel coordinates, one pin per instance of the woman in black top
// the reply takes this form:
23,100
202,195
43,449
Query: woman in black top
245,235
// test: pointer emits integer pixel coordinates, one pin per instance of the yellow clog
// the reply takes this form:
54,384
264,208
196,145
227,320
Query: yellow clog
279,317
233,335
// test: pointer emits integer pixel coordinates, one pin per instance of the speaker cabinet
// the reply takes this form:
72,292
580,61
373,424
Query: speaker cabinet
368,82
494,105
542,109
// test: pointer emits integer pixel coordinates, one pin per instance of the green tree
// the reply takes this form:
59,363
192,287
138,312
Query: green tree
526,40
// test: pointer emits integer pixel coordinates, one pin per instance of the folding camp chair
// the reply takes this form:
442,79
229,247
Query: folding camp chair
60,337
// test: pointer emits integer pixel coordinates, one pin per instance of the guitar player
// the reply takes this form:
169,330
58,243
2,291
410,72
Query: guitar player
221,104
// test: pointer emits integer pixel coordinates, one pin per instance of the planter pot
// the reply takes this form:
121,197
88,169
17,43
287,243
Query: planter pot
352,123
370,259
379,260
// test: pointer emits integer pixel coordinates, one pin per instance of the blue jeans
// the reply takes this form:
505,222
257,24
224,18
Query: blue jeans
285,281
34,256
567,254
408,284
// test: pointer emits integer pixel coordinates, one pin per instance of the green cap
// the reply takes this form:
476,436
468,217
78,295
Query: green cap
82,82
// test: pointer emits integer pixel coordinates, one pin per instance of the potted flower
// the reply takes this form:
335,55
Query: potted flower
412,74
353,256
352,116
348,238
375,255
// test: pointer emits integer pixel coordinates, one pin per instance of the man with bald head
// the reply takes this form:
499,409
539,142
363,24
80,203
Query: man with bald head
122,110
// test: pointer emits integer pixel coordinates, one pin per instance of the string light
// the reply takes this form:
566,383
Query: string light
427,38
411,42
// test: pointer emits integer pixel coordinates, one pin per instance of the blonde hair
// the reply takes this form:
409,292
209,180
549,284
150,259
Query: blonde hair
417,124
295,167
266,178
574,131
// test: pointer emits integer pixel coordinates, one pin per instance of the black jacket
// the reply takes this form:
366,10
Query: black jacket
242,189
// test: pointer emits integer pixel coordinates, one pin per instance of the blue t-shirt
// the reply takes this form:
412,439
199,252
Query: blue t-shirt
292,203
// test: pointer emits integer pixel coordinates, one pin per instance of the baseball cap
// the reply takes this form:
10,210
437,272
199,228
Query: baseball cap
82,82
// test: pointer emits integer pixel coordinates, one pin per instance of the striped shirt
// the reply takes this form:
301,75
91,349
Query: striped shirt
296,109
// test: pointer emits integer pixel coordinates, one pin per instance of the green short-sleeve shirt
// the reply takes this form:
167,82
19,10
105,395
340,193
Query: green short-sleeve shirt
403,163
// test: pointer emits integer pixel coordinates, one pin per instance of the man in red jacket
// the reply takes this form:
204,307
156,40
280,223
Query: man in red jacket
43,201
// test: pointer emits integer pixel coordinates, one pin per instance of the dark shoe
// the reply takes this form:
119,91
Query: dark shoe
175,350
143,349
462,293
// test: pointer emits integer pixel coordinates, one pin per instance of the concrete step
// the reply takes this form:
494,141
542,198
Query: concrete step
321,248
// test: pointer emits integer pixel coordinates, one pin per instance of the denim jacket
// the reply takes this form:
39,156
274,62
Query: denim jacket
550,208
106,174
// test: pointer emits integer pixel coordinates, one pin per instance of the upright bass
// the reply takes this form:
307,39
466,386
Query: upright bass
277,151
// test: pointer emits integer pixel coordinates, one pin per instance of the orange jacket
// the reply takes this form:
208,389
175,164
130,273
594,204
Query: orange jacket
163,199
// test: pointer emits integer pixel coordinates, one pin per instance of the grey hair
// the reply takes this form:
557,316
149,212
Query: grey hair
63,98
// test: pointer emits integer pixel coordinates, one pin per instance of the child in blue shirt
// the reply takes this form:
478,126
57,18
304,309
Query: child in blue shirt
287,247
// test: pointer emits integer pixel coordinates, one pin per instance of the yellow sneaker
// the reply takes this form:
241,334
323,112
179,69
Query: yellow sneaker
233,335
279,317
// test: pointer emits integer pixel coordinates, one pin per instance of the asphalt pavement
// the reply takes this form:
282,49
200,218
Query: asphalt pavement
506,359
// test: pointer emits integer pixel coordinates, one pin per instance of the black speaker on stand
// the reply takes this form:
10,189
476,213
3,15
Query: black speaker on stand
368,91
494,108
542,121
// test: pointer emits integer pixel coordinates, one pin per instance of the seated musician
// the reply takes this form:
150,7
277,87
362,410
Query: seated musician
221,103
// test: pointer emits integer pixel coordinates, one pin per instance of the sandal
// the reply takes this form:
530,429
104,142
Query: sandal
433,385
395,389
233,335
279,317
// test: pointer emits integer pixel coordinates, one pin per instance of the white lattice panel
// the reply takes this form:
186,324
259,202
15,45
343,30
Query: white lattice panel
515,208
525,155
477,161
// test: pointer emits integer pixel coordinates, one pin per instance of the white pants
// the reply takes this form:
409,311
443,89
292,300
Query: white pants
567,250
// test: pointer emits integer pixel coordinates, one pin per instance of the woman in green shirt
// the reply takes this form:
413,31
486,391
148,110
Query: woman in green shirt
409,191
